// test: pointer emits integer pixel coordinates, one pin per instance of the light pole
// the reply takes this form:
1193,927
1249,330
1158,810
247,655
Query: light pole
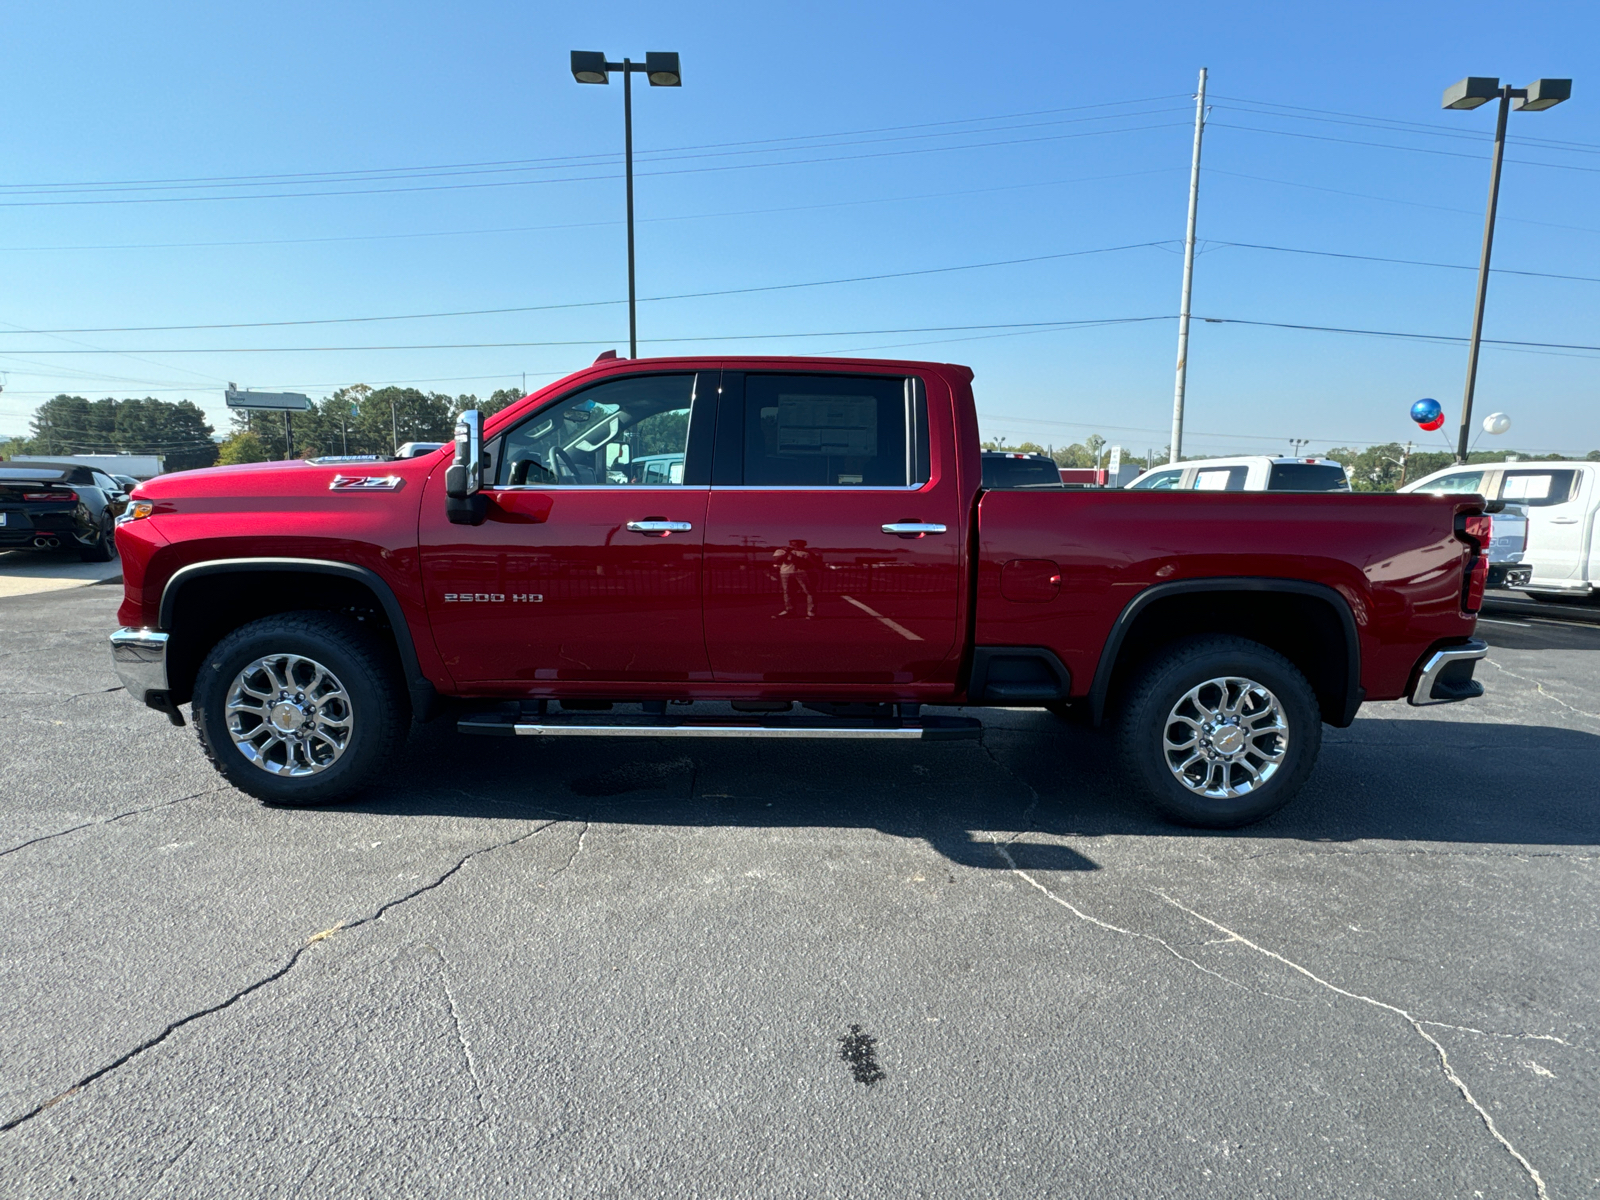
590,66
1470,93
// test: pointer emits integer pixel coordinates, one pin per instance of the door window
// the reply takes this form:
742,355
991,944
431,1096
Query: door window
1539,489
1161,480
832,431
624,432
1220,479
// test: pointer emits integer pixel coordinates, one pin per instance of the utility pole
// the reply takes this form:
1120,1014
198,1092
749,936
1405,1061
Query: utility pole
394,425
1188,274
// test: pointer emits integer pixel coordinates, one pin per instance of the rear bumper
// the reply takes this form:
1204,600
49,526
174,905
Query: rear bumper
140,657
1446,674
1509,575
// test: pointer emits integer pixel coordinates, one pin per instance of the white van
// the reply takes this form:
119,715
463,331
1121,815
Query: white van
1252,473
1560,498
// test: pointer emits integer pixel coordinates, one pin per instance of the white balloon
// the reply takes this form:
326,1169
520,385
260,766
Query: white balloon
1496,423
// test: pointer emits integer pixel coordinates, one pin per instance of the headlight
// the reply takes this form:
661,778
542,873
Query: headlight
137,511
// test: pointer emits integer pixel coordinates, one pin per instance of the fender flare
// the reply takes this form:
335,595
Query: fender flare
1354,693
424,697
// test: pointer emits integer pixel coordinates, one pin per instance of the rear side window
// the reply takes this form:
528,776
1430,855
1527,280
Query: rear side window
1160,480
1539,489
1220,479
1307,477
832,431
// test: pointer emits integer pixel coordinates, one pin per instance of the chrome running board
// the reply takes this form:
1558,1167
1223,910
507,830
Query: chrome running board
585,725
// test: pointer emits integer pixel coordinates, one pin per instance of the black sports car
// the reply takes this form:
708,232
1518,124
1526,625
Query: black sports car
59,506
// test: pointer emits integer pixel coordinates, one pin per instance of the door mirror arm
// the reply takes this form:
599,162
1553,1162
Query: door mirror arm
465,503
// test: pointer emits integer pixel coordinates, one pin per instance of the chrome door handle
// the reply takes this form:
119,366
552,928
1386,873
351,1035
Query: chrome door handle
904,527
1563,520
659,526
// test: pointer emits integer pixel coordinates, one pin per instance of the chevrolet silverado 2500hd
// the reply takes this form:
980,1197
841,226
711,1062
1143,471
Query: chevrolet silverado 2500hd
804,542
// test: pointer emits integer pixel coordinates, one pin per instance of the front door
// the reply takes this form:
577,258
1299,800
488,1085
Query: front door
588,568
803,582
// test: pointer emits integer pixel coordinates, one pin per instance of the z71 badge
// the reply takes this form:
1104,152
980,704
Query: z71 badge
492,598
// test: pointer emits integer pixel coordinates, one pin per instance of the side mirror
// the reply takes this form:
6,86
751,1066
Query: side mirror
465,503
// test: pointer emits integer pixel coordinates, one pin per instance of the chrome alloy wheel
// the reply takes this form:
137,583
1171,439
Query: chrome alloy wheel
1225,737
289,715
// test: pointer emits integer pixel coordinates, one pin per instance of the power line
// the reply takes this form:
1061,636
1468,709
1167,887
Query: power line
609,157
1319,137
1408,262
582,178
1403,126
576,162
482,312
604,341
743,212
1387,333
1394,200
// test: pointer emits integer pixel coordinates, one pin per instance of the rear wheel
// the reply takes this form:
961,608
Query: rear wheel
1220,731
299,709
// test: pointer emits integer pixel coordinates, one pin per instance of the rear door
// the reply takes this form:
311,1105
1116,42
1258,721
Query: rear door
804,582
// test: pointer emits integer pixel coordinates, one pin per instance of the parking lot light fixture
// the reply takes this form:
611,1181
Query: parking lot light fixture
1471,92
662,70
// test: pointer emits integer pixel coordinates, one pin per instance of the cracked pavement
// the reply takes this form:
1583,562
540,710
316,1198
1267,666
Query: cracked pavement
569,969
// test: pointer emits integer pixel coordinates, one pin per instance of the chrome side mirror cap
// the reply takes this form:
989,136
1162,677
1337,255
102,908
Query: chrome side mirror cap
465,503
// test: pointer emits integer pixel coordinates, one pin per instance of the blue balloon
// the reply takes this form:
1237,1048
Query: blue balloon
1425,411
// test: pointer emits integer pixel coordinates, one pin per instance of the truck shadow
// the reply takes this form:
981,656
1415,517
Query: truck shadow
1408,780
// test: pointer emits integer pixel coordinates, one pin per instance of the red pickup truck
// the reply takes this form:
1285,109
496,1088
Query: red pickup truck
776,547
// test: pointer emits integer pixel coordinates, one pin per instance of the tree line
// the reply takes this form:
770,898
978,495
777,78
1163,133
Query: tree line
178,431
355,420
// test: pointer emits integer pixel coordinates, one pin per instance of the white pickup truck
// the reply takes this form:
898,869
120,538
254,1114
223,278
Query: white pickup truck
1509,517
1248,473
1559,499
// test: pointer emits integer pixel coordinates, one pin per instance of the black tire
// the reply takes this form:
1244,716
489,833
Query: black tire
1237,798
367,694
104,547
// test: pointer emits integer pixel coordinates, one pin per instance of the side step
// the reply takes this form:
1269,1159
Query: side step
928,729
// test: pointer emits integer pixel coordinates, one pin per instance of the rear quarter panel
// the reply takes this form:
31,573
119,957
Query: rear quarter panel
1394,559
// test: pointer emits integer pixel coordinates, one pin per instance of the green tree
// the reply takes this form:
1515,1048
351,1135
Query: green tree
242,447
177,431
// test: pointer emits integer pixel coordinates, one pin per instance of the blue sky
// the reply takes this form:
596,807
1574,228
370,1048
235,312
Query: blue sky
433,159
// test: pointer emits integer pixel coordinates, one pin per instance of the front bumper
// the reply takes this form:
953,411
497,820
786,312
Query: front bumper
1446,674
140,657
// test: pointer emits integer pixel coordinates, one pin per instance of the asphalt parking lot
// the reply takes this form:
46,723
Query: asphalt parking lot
736,969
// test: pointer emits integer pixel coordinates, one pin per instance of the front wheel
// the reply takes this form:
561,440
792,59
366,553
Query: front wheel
299,709
1220,731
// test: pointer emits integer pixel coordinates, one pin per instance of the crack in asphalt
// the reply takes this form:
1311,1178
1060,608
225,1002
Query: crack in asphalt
271,977
1002,849
1539,687
461,1038
1514,1037
1415,1023
112,820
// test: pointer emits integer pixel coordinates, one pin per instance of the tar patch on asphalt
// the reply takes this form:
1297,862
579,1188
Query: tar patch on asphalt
859,1051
